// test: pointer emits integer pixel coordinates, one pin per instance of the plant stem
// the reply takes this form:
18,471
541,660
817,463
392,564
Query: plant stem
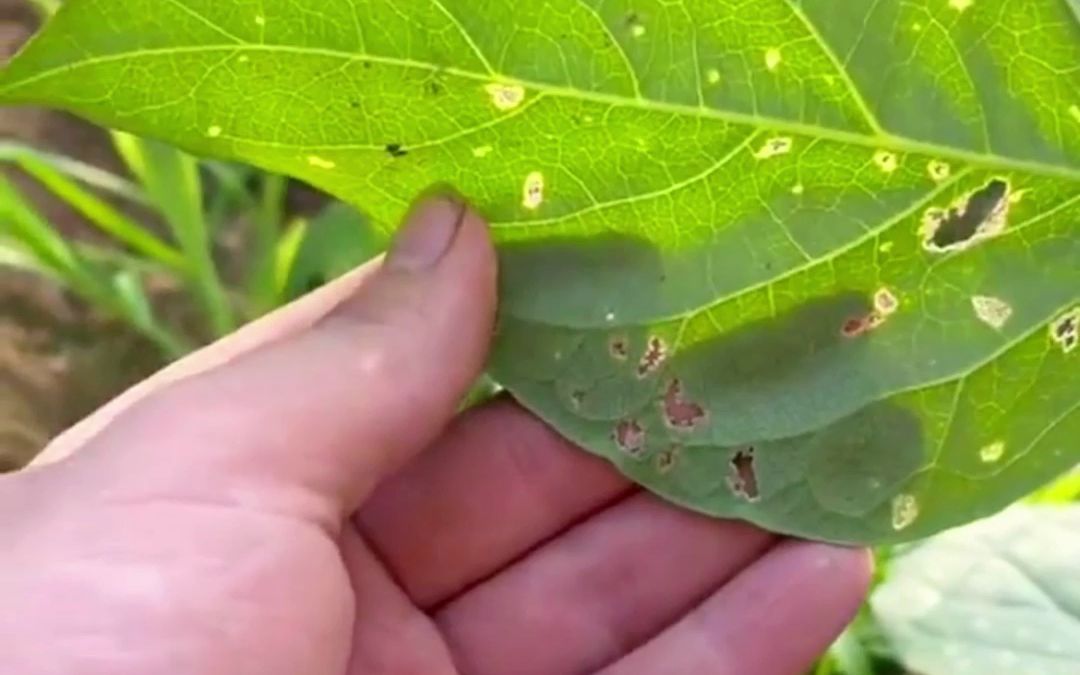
268,217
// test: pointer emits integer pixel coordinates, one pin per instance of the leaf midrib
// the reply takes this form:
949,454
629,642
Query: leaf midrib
883,140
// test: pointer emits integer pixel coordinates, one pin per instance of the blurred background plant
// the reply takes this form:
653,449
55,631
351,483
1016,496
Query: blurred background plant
119,254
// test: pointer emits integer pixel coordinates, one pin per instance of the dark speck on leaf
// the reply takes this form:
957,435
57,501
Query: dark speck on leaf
367,64
354,104
433,88
1067,326
395,150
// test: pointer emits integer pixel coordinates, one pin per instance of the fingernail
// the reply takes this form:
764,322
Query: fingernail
426,235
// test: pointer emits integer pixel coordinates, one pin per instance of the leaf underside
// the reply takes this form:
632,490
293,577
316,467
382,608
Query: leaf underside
812,264
997,597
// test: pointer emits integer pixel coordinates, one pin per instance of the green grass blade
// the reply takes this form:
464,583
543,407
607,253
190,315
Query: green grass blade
32,243
14,254
268,219
135,306
171,179
102,215
19,221
90,175
285,253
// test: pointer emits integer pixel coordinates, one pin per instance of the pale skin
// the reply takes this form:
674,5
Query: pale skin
300,498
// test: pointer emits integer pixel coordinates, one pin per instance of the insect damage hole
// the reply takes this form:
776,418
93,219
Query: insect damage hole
885,301
655,354
780,145
629,437
214,131
505,96
482,151
712,76
980,215
886,161
938,170
994,312
742,476
679,412
885,304
1065,330
532,191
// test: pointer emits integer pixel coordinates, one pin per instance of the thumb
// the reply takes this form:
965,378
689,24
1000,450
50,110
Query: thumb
309,424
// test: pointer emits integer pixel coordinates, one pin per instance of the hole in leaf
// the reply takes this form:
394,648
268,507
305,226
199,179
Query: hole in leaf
980,216
395,150
680,413
1065,330
654,357
743,477
629,437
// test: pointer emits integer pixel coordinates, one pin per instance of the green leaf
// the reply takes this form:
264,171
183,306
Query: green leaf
998,597
795,262
338,239
100,213
171,179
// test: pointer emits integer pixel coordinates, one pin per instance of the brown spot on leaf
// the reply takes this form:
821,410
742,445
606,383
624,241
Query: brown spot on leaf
618,347
854,327
743,476
654,357
667,459
629,437
680,413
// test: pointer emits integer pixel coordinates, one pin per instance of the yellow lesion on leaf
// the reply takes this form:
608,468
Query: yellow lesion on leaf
320,162
938,170
905,509
505,96
886,161
532,191
992,452
779,145
773,57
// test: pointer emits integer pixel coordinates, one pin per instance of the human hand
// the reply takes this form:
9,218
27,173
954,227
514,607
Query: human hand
264,507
